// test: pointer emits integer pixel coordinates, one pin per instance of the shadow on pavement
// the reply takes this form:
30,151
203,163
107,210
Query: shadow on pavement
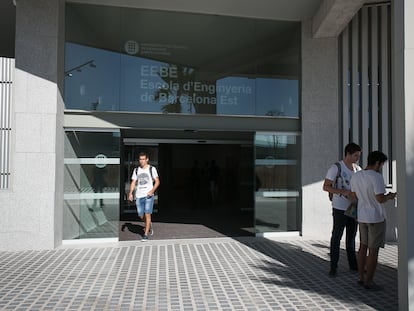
306,268
190,225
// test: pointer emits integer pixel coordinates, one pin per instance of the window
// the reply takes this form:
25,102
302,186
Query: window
169,62
91,184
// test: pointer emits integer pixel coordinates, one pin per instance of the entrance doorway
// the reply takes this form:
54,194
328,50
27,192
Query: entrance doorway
206,188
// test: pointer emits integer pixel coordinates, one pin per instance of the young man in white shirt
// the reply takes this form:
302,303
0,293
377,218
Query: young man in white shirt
147,181
368,186
337,182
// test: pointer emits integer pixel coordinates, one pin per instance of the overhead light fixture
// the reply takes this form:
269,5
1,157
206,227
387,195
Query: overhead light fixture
90,63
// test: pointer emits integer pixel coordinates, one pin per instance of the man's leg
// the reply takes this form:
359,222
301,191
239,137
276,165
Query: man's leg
362,255
140,203
372,260
337,232
147,221
351,230
149,203
376,239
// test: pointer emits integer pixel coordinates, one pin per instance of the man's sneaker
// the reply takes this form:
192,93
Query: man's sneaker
151,231
144,238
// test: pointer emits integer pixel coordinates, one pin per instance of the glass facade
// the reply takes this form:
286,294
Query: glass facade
168,62
91,185
155,63
277,199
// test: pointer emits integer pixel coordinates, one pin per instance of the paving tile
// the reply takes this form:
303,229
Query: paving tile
204,274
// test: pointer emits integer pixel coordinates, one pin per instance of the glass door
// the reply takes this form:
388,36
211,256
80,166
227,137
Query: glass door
91,185
277,178
130,162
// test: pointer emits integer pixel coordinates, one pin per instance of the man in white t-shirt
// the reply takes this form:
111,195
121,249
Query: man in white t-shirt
368,186
146,179
337,182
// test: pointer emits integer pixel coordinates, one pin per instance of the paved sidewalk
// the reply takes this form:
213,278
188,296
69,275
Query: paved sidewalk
209,274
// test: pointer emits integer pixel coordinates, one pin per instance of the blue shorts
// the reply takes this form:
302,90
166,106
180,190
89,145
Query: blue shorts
145,205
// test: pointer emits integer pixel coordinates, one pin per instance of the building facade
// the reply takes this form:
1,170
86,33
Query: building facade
241,107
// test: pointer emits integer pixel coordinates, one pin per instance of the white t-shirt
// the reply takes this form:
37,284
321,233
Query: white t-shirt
366,184
339,201
144,183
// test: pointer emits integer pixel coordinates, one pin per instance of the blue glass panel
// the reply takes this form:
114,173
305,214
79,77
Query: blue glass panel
193,64
92,78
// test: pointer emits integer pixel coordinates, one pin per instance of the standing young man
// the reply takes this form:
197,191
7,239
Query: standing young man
368,186
337,182
147,181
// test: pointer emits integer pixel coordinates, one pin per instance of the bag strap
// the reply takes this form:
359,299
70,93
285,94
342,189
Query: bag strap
338,165
150,170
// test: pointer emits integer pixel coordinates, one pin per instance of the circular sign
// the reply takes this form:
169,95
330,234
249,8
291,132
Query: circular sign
131,47
100,160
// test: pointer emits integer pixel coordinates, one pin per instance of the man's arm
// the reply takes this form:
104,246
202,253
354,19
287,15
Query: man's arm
156,185
131,189
382,198
327,186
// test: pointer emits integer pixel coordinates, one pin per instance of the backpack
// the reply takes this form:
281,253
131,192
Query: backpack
338,165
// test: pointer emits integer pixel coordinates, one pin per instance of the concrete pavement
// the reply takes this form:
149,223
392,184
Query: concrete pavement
196,274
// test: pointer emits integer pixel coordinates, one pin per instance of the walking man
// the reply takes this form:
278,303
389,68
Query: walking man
146,179
368,186
337,182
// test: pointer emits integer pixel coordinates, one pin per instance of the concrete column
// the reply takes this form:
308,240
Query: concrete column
36,199
403,114
333,16
320,129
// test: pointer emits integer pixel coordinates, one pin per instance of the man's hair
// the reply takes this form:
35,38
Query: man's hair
143,154
376,156
352,148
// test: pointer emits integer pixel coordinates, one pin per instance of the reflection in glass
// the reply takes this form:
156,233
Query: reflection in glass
171,62
277,203
91,185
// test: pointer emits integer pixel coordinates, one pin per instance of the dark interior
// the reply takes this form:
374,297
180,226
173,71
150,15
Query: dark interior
206,190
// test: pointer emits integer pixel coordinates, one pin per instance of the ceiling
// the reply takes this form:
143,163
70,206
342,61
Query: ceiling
290,10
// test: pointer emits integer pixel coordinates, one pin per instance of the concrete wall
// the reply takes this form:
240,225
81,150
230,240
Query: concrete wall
320,129
31,210
403,115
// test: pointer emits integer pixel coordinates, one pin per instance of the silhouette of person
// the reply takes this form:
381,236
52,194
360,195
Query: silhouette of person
195,180
213,178
99,183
